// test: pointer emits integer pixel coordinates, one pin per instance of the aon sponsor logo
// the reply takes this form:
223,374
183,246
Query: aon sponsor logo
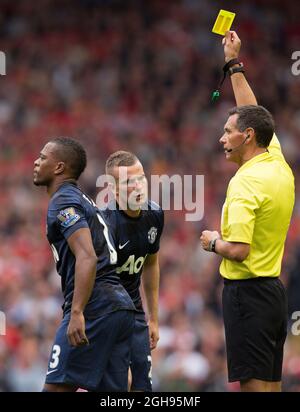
132,265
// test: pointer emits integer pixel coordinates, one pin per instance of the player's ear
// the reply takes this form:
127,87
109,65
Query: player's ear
249,134
60,168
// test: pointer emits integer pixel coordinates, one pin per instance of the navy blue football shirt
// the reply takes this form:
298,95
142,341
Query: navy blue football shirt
69,210
135,238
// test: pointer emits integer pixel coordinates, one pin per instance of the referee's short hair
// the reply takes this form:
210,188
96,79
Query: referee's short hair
257,117
72,153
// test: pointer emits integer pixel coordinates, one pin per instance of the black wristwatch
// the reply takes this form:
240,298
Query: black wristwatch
239,69
212,245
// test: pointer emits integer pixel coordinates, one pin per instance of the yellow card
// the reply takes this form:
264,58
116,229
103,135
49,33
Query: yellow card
223,22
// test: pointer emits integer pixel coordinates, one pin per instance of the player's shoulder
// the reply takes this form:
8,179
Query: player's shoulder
154,207
109,213
67,194
109,209
154,213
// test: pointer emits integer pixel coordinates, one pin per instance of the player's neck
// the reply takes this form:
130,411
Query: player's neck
55,185
132,213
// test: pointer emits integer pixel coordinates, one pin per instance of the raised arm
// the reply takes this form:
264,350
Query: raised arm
242,91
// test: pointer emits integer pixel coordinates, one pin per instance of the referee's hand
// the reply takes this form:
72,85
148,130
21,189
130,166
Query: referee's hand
207,236
232,45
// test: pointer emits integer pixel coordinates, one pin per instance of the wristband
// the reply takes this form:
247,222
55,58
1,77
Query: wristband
239,69
212,245
227,68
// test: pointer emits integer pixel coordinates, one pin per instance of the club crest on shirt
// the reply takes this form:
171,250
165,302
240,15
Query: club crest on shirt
152,235
68,217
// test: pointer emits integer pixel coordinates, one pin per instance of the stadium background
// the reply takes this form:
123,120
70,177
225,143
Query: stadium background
135,75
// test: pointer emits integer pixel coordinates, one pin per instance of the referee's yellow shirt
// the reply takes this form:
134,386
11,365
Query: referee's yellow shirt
257,210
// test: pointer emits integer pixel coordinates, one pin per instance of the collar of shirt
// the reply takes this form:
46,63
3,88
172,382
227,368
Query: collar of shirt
256,159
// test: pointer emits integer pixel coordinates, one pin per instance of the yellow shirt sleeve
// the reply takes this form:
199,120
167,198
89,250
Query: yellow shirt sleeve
275,147
243,203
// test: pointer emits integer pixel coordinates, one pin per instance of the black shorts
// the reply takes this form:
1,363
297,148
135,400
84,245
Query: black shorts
255,319
141,362
101,366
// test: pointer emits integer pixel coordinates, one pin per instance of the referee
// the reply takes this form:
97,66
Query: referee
255,220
